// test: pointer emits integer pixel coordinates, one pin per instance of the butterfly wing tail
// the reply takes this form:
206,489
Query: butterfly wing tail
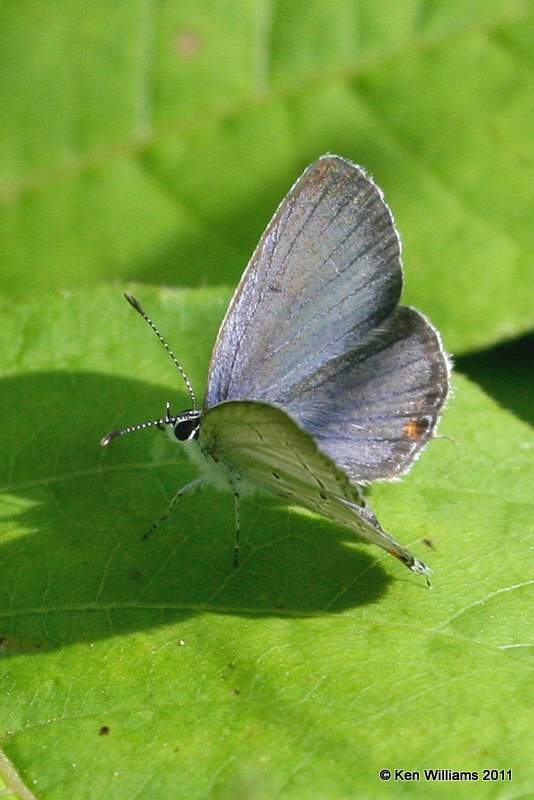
365,524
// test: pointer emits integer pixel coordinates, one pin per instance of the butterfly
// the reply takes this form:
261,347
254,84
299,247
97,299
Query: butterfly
320,382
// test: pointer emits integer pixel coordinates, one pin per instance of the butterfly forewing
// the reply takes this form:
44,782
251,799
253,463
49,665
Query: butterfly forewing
259,443
326,271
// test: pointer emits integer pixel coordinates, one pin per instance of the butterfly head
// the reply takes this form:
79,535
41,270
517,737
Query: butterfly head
186,426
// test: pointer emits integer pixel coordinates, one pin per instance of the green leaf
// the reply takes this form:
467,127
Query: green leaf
153,141
135,668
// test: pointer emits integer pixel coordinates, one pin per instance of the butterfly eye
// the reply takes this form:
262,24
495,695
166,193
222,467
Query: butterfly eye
186,429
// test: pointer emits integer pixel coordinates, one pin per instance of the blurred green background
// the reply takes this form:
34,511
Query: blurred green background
149,142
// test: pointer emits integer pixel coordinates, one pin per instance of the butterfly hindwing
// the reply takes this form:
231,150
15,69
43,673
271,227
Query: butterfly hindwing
374,408
257,443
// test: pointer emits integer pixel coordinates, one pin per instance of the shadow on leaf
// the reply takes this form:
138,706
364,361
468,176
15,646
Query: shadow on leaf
74,564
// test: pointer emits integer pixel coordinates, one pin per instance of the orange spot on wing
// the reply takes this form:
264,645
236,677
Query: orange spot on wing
415,428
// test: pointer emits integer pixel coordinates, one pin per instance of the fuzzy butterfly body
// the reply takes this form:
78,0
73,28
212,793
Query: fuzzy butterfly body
320,382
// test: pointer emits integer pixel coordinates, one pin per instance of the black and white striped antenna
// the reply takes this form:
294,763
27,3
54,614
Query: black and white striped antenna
140,310
168,418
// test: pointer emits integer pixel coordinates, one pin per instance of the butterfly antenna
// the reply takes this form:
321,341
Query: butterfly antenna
166,420
135,304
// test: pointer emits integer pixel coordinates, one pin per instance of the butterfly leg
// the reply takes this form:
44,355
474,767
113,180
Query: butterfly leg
189,487
237,529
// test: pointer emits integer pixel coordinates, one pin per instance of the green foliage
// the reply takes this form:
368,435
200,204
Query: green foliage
152,141
153,669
